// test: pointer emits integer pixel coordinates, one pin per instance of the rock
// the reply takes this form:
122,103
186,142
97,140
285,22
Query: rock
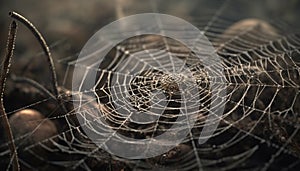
30,127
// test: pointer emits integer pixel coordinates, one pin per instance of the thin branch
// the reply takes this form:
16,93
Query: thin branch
4,72
34,84
44,45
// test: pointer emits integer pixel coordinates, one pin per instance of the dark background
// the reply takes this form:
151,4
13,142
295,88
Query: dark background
68,24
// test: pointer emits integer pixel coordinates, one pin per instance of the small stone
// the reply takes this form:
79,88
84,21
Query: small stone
31,127
245,27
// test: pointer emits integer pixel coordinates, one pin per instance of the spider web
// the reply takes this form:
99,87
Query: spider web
259,129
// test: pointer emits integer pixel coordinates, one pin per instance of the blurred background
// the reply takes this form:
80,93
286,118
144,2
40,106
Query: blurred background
67,25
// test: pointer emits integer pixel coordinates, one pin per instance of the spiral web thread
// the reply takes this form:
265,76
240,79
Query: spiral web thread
259,128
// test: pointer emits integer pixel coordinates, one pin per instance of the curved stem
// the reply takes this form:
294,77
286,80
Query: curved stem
44,45
4,72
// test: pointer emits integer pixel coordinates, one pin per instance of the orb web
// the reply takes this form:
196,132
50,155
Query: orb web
259,129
